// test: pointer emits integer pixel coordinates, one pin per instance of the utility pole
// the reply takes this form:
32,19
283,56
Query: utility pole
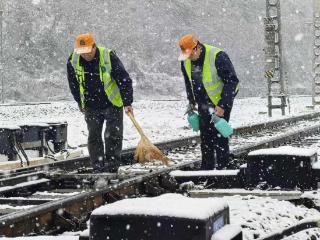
273,57
316,57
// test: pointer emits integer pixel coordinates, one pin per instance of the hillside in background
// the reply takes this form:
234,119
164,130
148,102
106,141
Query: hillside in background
39,35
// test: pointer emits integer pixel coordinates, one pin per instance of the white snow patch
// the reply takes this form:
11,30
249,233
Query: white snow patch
285,150
44,238
298,37
10,127
46,193
6,206
180,173
227,232
248,192
36,2
306,234
170,205
262,216
24,184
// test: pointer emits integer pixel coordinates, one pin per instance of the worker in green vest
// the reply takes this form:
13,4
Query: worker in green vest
102,88
211,84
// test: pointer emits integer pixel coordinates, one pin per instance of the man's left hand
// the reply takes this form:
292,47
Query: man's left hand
128,109
219,111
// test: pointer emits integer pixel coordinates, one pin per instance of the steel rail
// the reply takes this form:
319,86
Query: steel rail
31,220
127,154
43,217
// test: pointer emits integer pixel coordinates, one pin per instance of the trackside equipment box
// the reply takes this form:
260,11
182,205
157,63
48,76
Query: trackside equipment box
285,167
8,138
58,134
170,217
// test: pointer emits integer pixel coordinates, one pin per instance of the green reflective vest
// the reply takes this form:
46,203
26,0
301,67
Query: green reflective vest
210,78
110,86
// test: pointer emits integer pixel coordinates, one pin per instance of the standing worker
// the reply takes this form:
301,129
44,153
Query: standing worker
101,86
212,84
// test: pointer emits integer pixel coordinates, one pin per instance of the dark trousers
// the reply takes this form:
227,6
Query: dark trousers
214,147
107,157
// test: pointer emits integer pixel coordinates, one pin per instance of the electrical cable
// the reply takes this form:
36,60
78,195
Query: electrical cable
23,153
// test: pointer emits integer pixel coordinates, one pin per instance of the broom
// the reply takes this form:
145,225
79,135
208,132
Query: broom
145,150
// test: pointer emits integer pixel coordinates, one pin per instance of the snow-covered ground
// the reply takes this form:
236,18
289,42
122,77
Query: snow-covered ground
259,217
163,120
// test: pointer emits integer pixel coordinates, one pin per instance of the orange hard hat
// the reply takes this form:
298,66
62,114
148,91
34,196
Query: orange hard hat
84,43
187,43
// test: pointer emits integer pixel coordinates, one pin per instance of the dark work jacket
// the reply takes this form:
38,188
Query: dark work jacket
225,71
95,96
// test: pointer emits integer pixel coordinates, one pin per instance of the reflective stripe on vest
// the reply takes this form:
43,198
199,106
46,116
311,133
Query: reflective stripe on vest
79,71
110,86
210,79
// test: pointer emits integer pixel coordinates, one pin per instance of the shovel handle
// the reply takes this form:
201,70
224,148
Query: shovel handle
136,124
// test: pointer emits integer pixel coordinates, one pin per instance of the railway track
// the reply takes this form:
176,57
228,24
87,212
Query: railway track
245,135
60,196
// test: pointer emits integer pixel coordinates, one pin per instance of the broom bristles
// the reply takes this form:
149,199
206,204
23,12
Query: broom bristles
146,152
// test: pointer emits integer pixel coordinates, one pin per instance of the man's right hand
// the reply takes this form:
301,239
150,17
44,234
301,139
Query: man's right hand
128,109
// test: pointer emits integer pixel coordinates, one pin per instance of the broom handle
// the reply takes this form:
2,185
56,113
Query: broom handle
136,124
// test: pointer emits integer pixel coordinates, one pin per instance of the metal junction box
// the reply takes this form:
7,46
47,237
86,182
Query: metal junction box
285,167
8,136
33,136
58,134
168,219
